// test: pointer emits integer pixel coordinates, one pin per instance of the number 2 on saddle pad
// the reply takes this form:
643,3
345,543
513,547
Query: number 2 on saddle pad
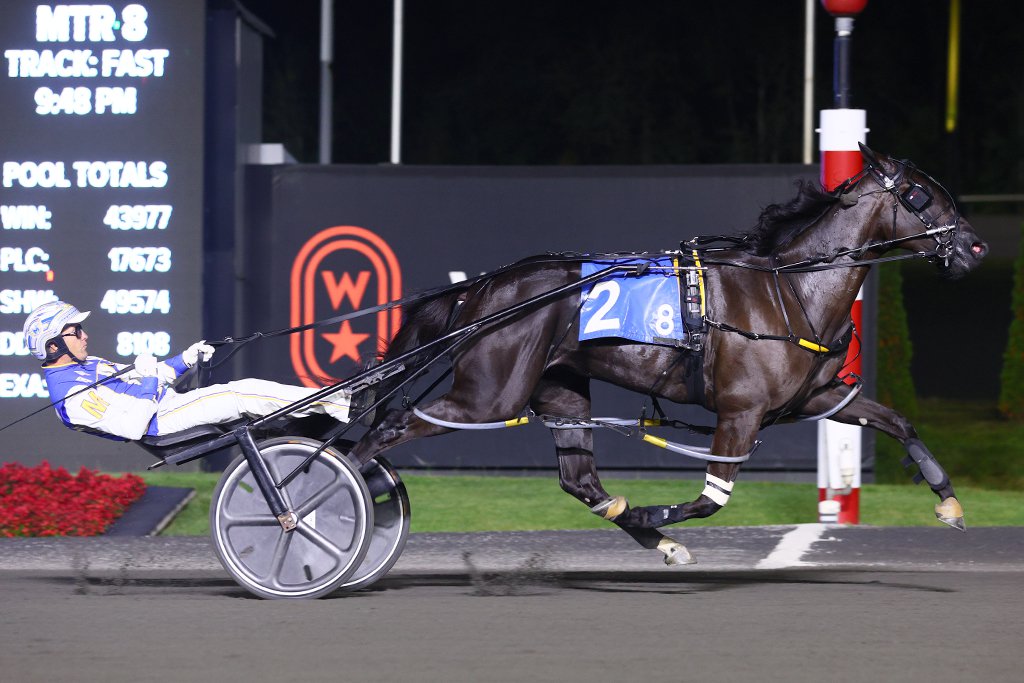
641,308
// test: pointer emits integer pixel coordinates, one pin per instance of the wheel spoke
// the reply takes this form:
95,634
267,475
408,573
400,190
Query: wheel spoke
232,520
284,540
322,542
273,465
318,498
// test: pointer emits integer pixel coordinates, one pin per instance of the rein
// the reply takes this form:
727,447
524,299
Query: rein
915,200
84,389
424,295
693,251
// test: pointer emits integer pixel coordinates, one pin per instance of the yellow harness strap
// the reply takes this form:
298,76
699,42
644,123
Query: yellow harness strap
700,282
812,346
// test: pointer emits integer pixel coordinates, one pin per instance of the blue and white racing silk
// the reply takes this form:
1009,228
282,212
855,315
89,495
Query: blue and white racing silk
122,408
130,406
643,308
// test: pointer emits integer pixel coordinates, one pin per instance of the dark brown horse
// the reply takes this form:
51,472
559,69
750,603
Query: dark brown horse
777,311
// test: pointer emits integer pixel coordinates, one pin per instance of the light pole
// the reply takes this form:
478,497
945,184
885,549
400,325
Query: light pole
396,82
326,79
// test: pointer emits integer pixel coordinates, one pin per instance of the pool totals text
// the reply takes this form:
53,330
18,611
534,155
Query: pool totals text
102,175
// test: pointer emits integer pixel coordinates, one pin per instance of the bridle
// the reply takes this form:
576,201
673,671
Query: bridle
919,201
915,198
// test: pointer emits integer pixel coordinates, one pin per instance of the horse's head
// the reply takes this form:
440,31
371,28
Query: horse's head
924,216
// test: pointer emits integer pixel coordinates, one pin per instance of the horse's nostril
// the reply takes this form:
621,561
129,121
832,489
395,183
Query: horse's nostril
979,249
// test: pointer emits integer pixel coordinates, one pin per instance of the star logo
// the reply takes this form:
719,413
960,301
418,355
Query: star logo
345,342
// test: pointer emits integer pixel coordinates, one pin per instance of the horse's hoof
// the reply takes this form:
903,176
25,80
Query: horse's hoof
950,512
675,552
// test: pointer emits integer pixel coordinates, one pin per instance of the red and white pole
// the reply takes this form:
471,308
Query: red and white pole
839,445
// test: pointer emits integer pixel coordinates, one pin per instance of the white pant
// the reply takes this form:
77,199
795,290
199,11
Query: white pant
242,398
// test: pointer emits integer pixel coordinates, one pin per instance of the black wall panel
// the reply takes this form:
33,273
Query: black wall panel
436,221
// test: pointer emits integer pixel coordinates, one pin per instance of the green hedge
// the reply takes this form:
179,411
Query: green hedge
1011,379
895,385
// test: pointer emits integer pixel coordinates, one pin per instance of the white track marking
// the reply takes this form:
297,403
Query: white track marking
792,546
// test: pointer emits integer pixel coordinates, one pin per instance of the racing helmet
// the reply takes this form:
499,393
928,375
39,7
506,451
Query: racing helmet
47,322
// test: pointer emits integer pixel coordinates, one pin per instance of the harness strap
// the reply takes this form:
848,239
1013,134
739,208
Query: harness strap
791,338
620,425
854,392
697,307
515,422
694,304
699,452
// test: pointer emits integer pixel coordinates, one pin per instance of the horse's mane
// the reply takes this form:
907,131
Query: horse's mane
779,224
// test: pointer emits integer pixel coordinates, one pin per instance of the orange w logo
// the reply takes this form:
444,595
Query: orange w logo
357,269
337,291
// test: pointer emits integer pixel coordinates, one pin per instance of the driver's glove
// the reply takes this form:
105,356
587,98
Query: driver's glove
145,365
200,351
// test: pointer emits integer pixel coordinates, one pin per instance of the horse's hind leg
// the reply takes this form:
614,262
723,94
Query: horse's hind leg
567,394
397,427
734,436
867,413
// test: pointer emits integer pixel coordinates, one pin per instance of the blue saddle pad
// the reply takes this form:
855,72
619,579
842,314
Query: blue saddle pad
641,308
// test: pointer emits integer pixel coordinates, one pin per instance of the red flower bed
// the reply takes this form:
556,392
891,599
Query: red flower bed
41,501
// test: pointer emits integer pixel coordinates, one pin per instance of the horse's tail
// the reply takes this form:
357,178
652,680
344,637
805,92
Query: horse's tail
426,320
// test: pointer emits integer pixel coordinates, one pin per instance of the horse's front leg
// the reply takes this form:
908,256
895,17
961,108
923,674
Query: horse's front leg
867,413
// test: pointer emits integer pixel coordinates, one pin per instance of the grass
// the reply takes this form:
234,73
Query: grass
981,452
484,503
975,445
527,503
194,520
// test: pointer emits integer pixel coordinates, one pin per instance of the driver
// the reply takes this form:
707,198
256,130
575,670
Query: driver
141,402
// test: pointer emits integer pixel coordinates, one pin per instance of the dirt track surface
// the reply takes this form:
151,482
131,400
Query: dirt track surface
848,605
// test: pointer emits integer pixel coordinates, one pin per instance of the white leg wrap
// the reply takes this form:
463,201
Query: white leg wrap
717,489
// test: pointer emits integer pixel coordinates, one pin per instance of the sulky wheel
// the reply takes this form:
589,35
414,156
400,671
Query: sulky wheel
390,524
335,515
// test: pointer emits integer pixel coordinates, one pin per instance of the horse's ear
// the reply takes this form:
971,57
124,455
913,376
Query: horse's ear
868,154
880,162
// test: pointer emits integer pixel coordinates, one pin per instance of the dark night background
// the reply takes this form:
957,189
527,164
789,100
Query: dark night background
653,82
678,82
